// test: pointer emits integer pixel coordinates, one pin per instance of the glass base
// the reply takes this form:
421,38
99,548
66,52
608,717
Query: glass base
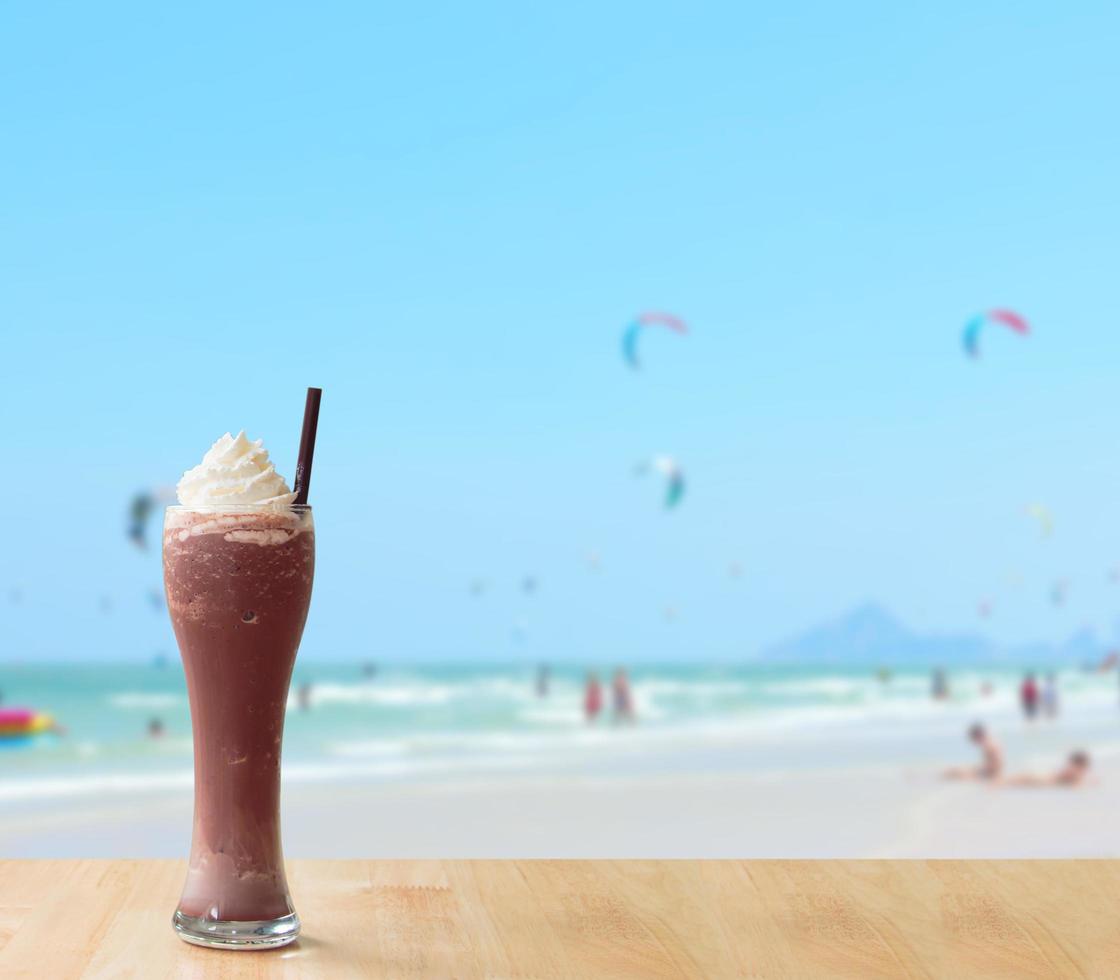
219,934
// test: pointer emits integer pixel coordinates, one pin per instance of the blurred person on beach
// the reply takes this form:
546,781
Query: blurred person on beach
303,696
622,697
939,685
986,689
543,680
1050,696
991,757
1074,773
155,728
592,697
1028,696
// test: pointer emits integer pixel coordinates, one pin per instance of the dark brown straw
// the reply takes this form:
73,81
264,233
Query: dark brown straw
307,445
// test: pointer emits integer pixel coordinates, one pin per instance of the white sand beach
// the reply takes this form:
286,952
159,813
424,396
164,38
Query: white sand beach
876,811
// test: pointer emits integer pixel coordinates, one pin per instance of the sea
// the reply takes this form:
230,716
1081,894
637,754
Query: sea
431,722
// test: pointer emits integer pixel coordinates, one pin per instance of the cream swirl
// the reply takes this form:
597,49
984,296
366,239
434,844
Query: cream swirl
235,473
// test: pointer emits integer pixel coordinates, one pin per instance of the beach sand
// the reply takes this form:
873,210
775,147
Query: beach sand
879,812
473,764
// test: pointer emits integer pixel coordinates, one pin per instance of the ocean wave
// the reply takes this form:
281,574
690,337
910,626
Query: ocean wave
804,736
567,715
459,745
704,689
36,789
365,748
758,728
144,699
59,787
828,687
417,693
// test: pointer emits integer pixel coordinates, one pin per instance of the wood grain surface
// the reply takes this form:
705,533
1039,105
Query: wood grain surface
571,919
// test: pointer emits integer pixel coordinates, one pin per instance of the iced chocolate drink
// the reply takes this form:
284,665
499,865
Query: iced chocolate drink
238,559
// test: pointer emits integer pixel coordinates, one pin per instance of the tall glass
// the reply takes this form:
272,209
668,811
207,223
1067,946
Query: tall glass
238,584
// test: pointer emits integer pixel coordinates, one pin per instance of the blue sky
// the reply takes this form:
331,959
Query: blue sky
446,216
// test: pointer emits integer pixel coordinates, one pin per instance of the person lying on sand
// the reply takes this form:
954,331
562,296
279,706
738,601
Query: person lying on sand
1074,773
991,757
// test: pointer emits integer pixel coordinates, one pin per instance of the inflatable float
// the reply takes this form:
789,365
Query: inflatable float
18,723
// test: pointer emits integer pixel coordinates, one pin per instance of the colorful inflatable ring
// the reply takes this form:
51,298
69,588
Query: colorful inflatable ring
20,722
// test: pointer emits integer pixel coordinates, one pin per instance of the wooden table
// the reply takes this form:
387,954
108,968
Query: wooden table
569,919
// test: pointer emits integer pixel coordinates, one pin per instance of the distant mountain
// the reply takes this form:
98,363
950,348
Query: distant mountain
869,634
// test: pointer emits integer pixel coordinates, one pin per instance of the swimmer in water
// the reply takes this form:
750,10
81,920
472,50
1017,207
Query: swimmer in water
623,699
939,685
592,698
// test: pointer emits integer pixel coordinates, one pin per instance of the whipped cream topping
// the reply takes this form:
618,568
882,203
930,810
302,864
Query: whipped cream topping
235,473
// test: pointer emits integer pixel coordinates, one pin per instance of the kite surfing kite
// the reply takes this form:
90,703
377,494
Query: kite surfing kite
1007,318
637,327
140,509
1058,592
1043,516
674,477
